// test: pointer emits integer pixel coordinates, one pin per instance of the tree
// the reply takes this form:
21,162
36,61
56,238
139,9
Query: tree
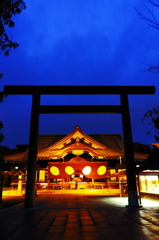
152,10
152,19
8,9
1,124
153,116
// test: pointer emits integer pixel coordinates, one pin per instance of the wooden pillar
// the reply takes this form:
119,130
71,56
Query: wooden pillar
129,153
138,187
32,153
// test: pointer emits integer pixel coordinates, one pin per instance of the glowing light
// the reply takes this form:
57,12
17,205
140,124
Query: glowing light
142,177
123,201
42,175
81,175
101,170
55,171
152,178
87,170
77,152
69,170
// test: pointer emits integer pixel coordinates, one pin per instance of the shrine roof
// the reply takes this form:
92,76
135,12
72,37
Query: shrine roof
77,142
110,140
78,148
155,144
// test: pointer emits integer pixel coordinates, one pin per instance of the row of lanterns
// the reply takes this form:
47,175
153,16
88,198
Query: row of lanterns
86,170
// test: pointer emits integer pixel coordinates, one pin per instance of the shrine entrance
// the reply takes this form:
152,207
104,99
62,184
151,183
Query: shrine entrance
37,109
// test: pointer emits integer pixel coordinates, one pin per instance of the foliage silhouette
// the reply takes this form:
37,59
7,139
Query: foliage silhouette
8,9
152,10
152,20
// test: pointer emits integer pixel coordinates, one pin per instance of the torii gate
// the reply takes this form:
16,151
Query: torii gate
123,109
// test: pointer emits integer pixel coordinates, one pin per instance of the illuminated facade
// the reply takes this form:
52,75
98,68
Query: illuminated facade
149,175
75,161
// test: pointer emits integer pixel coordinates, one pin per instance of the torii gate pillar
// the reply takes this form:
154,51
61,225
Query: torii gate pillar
32,154
133,200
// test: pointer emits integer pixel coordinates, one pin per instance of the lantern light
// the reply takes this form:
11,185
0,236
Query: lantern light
87,170
55,171
101,170
69,170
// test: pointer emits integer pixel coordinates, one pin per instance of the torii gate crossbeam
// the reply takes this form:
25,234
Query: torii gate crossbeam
123,109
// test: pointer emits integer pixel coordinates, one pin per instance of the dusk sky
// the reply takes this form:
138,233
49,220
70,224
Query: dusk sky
84,42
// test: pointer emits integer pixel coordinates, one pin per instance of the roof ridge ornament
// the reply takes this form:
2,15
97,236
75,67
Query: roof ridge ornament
77,128
77,139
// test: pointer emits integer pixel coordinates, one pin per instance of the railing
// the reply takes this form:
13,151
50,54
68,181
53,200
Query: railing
77,185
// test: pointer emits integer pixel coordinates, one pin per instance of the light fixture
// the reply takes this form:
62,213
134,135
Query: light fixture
69,170
101,170
87,170
55,171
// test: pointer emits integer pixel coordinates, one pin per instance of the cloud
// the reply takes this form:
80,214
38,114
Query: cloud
80,43
46,24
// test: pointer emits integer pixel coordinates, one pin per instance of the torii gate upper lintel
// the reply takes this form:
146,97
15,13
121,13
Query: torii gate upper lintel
37,109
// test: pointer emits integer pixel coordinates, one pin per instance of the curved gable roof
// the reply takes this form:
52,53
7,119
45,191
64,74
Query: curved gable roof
77,134
78,149
71,143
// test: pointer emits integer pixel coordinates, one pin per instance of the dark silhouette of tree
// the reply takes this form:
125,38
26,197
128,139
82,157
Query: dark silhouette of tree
152,19
153,116
4,151
1,124
8,9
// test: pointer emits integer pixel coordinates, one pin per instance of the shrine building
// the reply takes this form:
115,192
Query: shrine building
75,161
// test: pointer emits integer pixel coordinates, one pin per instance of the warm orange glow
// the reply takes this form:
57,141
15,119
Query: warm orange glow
77,152
87,170
42,175
69,170
149,183
55,171
101,170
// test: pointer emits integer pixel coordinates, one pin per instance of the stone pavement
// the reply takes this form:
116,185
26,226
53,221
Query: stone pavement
80,217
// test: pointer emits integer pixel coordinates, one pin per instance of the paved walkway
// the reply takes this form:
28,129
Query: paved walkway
79,217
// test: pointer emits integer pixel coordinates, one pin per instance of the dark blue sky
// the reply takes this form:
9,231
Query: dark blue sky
79,43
